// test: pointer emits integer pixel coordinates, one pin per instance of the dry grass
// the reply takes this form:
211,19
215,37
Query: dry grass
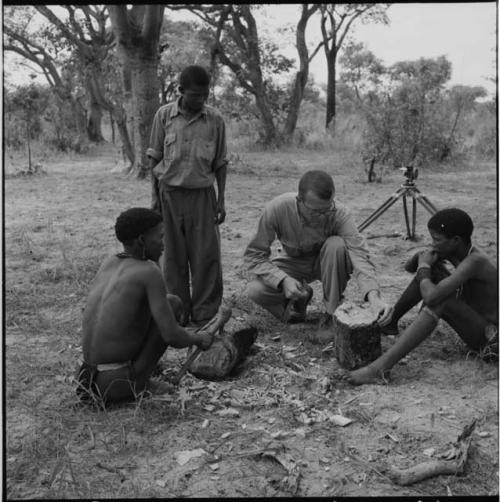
59,227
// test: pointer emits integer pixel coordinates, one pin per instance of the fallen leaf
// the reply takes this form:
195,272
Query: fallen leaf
183,457
214,467
161,482
391,436
301,432
429,452
340,420
209,407
279,434
205,423
484,434
225,435
449,454
228,412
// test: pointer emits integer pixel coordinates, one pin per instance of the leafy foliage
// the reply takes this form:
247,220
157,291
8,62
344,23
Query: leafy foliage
410,117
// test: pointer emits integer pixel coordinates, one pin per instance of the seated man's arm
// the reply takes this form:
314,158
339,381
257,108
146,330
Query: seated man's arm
435,294
258,252
162,314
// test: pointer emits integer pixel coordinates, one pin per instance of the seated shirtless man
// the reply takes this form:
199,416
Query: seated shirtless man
129,319
466,298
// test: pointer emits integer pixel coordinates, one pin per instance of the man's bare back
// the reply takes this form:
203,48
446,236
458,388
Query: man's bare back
129,320
117,316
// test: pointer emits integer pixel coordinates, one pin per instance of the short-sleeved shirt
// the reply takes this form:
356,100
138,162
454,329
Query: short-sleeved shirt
281,220
188,151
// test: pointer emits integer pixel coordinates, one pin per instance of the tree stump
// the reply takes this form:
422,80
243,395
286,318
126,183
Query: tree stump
357,336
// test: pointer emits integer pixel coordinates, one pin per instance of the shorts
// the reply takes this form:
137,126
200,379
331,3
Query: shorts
87,389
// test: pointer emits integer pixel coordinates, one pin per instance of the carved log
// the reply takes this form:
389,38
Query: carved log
227,351
357,336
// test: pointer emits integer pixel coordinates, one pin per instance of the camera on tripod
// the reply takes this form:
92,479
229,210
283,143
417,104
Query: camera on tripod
406,191
409,173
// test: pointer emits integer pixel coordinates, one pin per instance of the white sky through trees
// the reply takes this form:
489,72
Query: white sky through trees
466,33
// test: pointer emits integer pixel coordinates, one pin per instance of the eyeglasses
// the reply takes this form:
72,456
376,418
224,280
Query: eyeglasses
319,210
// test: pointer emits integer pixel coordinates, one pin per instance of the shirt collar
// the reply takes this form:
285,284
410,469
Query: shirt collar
176,109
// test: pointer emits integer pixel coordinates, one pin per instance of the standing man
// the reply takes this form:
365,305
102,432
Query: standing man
187,155
320,241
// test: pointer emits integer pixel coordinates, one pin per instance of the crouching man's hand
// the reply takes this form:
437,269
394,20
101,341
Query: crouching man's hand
292,288
380,309
204,339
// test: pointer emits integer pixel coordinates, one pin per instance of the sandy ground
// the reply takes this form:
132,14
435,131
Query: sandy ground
267,430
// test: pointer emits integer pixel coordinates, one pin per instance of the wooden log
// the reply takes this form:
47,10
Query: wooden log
357,336
453,466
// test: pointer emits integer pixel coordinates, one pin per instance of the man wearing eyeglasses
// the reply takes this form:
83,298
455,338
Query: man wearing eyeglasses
319,240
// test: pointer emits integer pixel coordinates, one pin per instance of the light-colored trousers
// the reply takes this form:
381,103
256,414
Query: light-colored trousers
331,265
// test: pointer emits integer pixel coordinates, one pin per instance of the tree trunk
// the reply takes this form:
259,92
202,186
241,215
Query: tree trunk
120,118
268,135
302,75
112,123
331,90
145,103
94,129
80,144
137,32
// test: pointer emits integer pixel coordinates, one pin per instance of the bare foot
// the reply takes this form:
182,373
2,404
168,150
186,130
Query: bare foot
368,374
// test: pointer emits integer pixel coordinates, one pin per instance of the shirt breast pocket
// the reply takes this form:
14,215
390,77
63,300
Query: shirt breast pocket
169,146
206,149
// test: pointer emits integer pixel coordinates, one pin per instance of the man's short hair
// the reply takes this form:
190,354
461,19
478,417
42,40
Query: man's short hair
451,222
135,222
194,75
319,182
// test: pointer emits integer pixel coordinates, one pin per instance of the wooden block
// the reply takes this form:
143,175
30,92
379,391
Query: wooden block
357,336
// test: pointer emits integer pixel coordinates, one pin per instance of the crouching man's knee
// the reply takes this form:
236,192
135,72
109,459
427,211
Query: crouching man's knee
334,245
256,290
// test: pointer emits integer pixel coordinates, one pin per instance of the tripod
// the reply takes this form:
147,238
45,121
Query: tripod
408,189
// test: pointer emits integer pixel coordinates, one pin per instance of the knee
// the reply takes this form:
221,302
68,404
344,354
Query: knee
255,290
176,305
334,245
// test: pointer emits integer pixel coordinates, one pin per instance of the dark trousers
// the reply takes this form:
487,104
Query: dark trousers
191,260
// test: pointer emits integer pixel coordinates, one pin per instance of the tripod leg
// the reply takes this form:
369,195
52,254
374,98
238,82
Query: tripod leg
426,203
414,217
384,207
407,219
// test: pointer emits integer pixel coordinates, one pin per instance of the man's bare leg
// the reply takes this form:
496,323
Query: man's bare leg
411,337
467,323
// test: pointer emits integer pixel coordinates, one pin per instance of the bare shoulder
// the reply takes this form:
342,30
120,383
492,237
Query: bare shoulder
144,270
480,264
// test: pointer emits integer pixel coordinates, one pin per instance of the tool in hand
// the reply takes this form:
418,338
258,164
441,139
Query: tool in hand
215,324
291,301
